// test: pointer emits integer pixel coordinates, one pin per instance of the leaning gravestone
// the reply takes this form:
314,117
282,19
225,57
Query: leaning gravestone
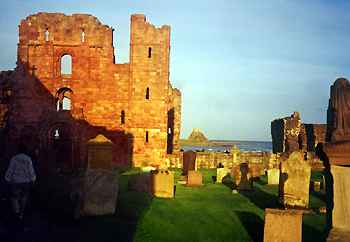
189,162
162,183
100,192
273,176
100,153
283,225
295,181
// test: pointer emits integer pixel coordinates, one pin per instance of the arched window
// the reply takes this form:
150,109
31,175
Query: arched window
63,97
66,65
47,33
82,35
146,136
149,52
122,117
147,93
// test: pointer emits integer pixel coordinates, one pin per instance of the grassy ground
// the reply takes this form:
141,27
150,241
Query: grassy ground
207,213
213,213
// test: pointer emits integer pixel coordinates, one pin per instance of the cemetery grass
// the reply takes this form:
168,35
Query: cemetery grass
207,213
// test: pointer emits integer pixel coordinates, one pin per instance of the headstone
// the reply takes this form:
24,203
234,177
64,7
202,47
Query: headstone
100,192
100,153
221,173
341,210
295,181
194,178
163,183
245,182
283,225
189,162
273,176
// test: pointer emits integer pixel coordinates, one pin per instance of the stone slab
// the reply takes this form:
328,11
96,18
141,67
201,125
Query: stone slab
283,225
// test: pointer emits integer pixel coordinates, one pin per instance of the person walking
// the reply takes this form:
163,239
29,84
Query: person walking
21,176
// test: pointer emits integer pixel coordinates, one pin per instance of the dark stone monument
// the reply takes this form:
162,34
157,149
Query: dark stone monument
189,162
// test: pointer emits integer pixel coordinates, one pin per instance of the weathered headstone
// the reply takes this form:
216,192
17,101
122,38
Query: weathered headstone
245,182
221,173
295,181
163,183
341,210
194,178
189,162
273,176
283,225
100,154
100,192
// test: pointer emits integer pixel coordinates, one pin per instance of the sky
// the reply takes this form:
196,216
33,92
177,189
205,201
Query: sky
239,64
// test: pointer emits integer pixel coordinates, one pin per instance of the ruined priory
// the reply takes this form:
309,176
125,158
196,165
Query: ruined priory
67,89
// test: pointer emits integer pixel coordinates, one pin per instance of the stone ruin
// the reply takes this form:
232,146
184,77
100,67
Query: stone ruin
57,110
290,134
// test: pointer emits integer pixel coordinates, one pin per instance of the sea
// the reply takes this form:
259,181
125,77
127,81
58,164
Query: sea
226,145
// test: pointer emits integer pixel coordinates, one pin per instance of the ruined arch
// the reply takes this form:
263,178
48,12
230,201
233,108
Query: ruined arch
64,99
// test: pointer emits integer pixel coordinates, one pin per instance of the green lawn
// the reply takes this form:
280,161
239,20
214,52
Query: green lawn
207,213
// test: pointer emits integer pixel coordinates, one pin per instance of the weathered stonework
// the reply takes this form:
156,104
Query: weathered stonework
283,225
289,134
295,181
132,104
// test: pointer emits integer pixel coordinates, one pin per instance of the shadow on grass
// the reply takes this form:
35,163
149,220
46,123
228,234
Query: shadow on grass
311,234
262,199
253,224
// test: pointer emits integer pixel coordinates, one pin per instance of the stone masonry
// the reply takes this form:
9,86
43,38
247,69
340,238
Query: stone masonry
132,104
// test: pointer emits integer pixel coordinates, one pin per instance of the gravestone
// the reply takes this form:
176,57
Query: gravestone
163,183
273,176
100,153
189,162
341,210
283,225
295,181
194,178
221,173
100,192
241,176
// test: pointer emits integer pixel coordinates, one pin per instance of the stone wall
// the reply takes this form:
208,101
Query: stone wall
132,104
209,159
289,134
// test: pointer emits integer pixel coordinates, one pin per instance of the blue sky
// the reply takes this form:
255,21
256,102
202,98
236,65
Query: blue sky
239,64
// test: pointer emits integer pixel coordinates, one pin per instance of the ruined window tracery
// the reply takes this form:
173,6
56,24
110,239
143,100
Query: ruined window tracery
66,64
122,117
147,93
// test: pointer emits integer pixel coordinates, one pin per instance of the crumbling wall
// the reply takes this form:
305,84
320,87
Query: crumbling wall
128,103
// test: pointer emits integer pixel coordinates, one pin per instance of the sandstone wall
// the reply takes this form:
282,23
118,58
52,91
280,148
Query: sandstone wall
133,104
